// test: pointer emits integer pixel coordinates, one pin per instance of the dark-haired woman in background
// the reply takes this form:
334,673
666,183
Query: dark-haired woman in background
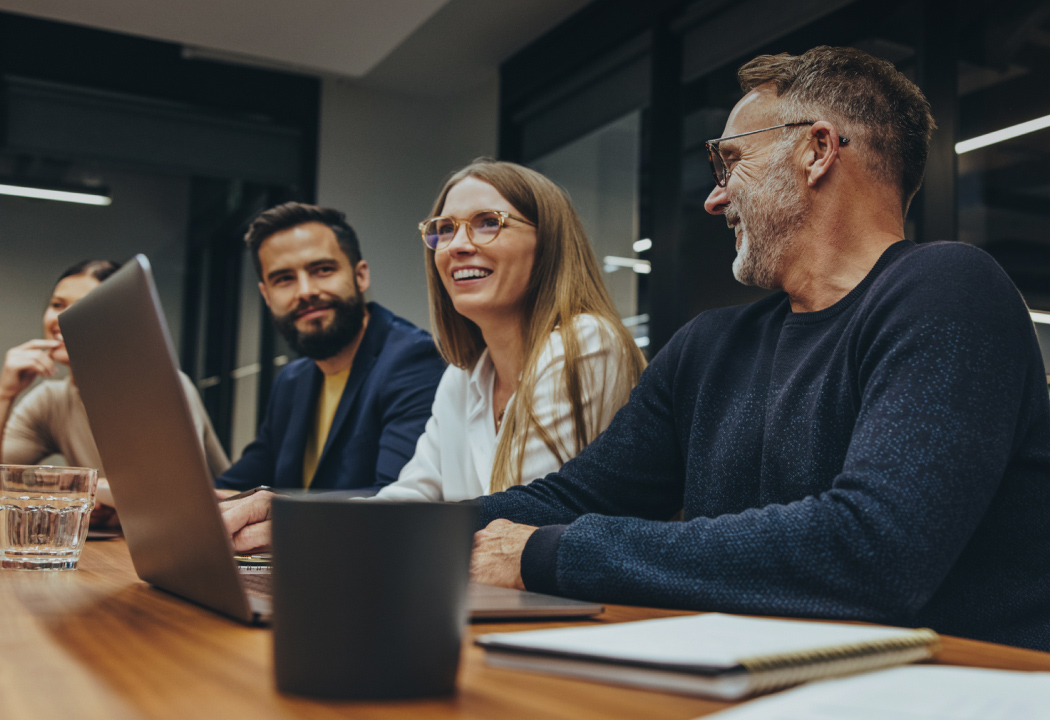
51,418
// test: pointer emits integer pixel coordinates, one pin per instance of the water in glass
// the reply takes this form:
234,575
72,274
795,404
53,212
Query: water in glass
45,512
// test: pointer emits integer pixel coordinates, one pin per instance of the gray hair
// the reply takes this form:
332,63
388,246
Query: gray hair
869,99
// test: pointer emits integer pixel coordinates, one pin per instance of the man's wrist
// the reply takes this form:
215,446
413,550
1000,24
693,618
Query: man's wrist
539,559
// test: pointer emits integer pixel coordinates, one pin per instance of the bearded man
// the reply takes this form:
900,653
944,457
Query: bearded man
348,413
870,443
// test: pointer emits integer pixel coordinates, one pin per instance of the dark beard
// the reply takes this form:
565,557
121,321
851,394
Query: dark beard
328,342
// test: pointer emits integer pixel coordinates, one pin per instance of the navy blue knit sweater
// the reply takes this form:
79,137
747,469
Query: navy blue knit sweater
885,459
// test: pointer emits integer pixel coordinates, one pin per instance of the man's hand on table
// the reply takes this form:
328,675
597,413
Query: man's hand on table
247,521
497,554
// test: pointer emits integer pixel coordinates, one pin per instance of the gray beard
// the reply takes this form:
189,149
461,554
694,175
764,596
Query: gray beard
771,214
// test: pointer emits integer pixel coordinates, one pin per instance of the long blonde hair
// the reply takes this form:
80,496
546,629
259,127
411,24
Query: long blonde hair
565,283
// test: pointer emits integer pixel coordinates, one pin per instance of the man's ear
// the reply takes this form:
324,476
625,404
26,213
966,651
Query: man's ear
361,273
265,293
822,151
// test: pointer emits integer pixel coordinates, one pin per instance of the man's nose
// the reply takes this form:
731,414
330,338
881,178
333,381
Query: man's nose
717,201
305,286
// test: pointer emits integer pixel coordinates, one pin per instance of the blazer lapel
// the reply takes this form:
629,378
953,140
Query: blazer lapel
379,323
289,470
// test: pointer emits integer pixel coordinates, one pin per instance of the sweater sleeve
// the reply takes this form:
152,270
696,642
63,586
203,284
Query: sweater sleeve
942,369
27,436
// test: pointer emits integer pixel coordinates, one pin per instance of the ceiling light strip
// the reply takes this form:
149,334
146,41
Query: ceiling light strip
1000,135
60,195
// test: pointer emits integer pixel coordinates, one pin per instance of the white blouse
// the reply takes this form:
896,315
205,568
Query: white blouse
453,458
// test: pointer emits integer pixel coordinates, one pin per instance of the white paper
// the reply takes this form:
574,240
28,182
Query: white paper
712,640
917,692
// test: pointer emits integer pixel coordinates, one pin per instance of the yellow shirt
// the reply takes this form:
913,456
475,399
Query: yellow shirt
327,404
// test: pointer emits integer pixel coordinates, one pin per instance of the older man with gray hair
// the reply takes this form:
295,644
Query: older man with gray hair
872,442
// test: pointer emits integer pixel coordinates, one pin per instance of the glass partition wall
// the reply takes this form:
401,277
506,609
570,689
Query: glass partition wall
600,173
664,75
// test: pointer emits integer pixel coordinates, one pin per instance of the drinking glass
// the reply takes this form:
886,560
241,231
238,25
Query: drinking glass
45,512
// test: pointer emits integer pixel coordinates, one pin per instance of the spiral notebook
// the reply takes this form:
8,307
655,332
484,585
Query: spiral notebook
720,656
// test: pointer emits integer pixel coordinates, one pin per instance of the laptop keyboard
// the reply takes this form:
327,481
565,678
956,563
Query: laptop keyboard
258,584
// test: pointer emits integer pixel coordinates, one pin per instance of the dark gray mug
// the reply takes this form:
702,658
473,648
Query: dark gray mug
370,597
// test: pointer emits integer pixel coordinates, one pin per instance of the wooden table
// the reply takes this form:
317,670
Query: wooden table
113,647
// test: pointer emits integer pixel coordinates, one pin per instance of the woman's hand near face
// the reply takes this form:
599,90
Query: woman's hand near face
25,363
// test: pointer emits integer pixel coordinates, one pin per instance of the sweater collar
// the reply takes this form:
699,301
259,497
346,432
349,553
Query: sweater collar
888,256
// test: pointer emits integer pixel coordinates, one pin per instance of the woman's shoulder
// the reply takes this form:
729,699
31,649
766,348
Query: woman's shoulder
588,324
47,392
187,382
592,332
46,402
454,395
454,380
593,335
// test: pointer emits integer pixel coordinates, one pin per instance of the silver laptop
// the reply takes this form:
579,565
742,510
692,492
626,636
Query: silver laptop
124,363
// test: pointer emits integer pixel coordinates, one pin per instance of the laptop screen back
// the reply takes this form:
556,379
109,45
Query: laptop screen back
123,361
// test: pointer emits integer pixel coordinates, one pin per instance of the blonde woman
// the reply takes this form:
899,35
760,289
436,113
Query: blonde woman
539,360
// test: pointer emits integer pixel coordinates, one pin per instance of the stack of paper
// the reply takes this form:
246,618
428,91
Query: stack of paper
722,656
923,692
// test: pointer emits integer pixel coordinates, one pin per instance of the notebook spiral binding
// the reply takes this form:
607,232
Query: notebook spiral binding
769,673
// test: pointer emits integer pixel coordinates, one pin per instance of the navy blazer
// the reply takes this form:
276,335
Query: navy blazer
381,415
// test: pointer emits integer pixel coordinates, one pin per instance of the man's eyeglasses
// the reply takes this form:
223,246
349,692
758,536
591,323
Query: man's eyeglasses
718,165
482,228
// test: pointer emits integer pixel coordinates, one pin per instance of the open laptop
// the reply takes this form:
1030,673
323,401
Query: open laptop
124,362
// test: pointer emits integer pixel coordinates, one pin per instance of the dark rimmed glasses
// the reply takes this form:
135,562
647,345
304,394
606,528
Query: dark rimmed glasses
718,165
482,228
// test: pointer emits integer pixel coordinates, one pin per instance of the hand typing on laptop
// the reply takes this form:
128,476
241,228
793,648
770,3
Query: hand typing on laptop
497,549
248,521
496,559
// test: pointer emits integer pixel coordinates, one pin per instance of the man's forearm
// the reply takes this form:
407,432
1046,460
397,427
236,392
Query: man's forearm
521,505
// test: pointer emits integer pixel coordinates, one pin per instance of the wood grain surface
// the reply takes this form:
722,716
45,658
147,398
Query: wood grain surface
99,643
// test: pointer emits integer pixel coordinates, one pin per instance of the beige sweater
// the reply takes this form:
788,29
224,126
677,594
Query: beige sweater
51,419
